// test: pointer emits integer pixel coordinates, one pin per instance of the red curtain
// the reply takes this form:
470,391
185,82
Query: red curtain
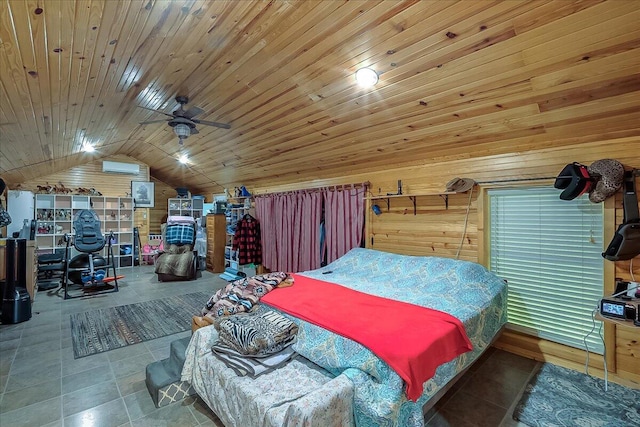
290,225
265,214
344,219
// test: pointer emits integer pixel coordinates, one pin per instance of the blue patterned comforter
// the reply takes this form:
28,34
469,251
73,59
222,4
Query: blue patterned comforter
463,289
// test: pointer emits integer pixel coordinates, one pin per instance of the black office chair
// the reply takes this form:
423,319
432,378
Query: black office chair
89,269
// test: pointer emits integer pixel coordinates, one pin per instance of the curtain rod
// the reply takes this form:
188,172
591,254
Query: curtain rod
499,181
364,185
634,171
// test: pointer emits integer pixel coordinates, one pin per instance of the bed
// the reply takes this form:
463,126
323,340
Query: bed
336,381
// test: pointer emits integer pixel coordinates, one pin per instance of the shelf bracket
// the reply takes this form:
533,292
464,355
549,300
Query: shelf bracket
388,205
413,199
445,197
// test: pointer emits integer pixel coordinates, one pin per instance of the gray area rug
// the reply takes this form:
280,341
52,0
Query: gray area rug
106,329
557,396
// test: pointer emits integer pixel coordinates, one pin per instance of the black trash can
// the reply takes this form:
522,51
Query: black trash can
16,302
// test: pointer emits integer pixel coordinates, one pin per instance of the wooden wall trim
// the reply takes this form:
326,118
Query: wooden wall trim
609,281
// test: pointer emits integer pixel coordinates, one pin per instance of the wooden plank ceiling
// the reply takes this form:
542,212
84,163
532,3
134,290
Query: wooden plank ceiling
458,79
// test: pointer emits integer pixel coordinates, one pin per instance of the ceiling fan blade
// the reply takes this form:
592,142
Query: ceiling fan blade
157,111
194,131
148,122
216,124
180,119
193,111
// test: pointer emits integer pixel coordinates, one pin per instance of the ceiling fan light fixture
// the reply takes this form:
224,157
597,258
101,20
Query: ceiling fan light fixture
88,148
182,131
183,159
366,77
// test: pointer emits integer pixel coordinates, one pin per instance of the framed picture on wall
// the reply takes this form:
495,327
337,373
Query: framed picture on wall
142,193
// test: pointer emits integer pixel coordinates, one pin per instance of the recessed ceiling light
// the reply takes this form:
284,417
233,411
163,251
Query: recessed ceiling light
366,77
183,159
88,148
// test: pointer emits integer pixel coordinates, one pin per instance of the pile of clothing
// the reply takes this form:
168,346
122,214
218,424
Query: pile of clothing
255,342
252,339
241,295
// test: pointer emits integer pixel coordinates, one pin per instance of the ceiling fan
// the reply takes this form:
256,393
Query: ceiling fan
182,121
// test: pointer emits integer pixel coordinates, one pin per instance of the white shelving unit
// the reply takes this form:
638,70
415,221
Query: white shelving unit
54,215
237,207
186,207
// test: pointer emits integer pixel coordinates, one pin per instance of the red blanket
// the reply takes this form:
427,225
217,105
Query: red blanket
411,339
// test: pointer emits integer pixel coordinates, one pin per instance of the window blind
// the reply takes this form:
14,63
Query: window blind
549,251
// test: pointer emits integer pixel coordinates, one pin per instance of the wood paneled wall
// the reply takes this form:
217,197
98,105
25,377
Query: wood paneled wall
141,221
435,230
90,175
163,192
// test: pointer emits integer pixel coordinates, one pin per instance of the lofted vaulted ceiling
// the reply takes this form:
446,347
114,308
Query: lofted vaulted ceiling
457,79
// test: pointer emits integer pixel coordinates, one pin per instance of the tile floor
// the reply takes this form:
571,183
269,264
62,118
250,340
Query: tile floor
42,385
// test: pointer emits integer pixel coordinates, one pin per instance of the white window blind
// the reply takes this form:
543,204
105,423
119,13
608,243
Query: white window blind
549,251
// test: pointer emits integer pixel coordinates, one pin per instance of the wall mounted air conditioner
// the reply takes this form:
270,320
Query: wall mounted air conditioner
118,167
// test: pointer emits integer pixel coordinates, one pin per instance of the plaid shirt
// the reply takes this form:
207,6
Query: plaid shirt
247,241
